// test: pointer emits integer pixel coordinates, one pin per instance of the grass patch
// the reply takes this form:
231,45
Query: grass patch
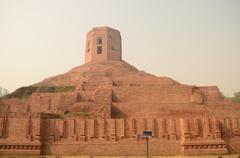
76,114
24,92
235,100
56,89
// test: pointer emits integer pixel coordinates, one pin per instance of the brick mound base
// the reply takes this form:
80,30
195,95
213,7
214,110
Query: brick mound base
102,108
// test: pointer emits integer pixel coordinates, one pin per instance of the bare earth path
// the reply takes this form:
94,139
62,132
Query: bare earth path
210,156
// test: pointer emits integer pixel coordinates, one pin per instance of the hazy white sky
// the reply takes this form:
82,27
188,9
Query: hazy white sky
195,42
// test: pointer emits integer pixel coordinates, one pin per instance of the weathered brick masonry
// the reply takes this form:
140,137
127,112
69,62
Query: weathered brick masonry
71,136
103,106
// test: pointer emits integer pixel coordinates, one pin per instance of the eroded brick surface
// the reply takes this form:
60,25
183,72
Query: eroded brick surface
111,105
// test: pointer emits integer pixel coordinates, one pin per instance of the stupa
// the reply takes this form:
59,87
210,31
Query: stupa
103,106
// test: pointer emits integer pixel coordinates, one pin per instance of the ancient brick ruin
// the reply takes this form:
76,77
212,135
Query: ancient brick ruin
103,106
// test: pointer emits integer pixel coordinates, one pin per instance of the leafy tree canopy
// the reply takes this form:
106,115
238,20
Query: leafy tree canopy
236,97
3,92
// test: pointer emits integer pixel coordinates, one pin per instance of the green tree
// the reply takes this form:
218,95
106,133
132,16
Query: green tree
236,97
3,92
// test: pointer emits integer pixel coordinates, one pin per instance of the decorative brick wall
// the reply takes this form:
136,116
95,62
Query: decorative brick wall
49,134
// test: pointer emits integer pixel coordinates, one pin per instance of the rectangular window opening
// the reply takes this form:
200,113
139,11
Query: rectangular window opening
99,49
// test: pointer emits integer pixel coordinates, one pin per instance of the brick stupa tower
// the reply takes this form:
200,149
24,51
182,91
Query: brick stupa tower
104,106
103,43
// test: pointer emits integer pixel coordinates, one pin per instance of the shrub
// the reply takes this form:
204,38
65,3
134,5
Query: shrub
24,92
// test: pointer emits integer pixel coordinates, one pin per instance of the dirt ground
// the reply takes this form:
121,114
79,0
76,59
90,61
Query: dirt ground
210,156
